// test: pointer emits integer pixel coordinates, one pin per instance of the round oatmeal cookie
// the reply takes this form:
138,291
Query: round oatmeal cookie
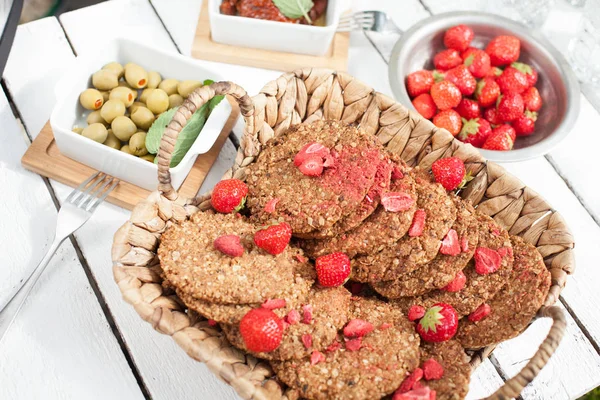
478,288
192,265
513,307
409,253
442,270
454,384
329,311
381,229
376,369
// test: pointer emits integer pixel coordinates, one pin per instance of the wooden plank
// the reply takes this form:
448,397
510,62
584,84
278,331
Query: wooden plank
61,336
484,381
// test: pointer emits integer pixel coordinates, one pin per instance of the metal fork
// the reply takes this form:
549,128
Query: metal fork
76,210
377,21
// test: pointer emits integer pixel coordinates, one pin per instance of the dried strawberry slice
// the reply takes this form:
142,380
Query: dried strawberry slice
309,150
487,260
418,223
480,313
396,201
357,328
450,245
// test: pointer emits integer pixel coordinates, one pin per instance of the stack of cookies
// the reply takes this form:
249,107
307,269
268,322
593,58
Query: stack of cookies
353,274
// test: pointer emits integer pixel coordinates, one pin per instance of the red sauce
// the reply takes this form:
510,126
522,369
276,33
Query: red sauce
265,9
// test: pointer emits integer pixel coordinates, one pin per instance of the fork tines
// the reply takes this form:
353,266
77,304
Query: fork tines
357,21
92,191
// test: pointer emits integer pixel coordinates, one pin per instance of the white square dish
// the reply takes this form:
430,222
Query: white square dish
274,35
68,112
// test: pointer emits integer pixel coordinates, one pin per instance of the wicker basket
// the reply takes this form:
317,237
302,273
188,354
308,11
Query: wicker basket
307,95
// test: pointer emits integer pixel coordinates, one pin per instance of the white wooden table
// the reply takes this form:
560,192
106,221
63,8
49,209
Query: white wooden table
76,339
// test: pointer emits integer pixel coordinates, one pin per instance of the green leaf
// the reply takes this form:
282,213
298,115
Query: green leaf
295,8
157,129
432,318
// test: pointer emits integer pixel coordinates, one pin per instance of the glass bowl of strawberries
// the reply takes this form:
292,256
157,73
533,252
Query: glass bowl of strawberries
489,81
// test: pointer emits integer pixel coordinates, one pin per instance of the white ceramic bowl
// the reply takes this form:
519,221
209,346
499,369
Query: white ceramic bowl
68,112
273,35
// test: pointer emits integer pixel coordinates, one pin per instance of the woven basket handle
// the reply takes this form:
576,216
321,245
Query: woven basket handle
513,387
196,99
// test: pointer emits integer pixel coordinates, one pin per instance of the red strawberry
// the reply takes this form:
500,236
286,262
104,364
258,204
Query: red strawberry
494,72
487,261
419,82
532,99
261,330
312,166
525,124
420,393
503,50
309,150
487,92
508,130
449,120
396,201
425,105
458,37
229,245
468,109
449,172
415,313
316,357
480,313
333,269
229,195
501,139
510,107
477,61
335,346
353,344
432,370
270,206
274,239
529,72
273,304
445,95
457,283
357,328
439,323
450,245
418,223
409,382
491,116
446,59
475,131
512,81
463,79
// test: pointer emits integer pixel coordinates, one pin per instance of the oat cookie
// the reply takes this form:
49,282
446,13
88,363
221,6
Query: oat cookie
454,385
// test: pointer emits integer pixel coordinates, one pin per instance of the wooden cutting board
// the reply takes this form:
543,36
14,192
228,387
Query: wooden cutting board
44,157
204,48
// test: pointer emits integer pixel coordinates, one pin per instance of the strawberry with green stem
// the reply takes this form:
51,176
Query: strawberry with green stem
274,239
439,324
475,131
487,92
450,172
229,195
530,73
512,81
447,59
501,138
462,78
525,124
419,82
477,61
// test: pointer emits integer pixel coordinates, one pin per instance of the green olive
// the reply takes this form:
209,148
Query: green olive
136,76
96,132
175,100
95,117
137,144
112,109
112,140
125,95
91,99
142,117
144,95
169,86
148,157
186,87
154,79
126,149
135,106
105,95
158,101
77,129
123,128
116,68
105,79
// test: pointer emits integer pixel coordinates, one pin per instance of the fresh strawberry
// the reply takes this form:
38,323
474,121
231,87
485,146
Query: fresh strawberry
463,79
450,172
487,92
500,139
274,239
229,245
354,344
445,95
446,59
439,323
421,393
495,72
418,223
293,317
357,328
468,109
229,195
273,304
480,313
487,260
261,330
475,131
396,201
450,245
312,166
307,340
309,150
477,61
449,120
415,313
316,357
491,116
438,75
271,204
512,81
510,107
425,105
419,82
532,99
333,269
529,72
503,50
432,370
457,283
525,124
458,37
409,382
508,130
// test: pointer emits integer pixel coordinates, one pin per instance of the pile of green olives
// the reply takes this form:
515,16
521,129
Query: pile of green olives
124,101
